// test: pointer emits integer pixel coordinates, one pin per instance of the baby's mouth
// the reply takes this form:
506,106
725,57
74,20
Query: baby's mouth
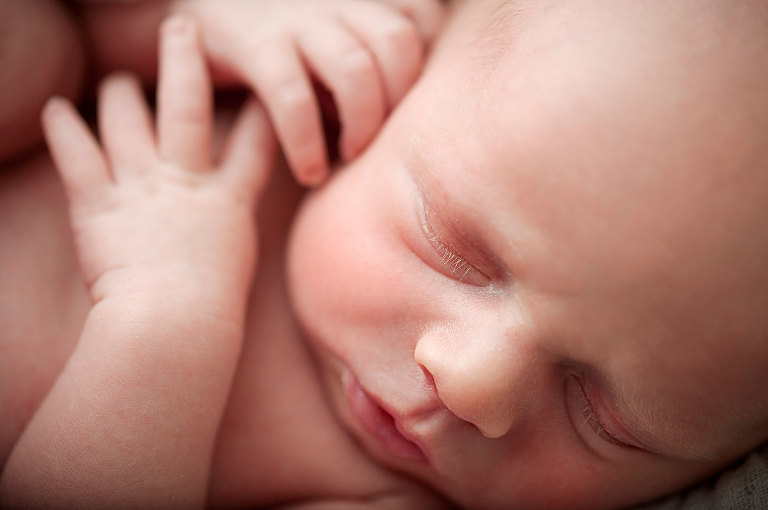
379,423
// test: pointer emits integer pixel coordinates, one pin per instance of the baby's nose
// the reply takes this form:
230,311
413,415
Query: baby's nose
491,378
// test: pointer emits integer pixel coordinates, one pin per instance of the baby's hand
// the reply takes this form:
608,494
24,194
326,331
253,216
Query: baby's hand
150,210
367,53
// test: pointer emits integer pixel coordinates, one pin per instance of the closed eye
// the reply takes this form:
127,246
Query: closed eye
450,261
459,267
583,412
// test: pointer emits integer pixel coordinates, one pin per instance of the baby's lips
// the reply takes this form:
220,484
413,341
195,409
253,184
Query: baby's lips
381,424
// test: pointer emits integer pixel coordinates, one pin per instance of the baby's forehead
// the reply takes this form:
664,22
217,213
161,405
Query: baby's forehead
643,80
507,28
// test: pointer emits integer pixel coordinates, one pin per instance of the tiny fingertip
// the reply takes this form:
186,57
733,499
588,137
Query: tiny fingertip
177,24
120,78
54,105
314,175
55,101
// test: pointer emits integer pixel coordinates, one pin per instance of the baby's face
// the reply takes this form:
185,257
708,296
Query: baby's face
544,285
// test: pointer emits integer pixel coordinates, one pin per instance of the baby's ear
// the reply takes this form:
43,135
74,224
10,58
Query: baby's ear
744,485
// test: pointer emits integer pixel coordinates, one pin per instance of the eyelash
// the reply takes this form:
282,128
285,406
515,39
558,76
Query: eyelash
592,419
448,256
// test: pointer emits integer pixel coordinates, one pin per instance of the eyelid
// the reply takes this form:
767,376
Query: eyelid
588,413
450,258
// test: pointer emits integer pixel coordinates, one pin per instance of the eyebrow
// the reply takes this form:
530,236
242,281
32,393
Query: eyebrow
435,194
420,165
497,35
504,16
500,250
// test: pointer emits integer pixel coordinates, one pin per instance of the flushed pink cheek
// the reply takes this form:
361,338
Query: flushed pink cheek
325,277
338,256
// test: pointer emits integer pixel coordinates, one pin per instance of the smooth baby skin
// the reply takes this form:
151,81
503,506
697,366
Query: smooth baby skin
372,287
276,413
130,419
365,53
550,267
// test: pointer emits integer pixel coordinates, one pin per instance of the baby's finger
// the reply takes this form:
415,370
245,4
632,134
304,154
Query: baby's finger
394,41
250,151
184,97
74,149
349,71
427,14
125,124
277,73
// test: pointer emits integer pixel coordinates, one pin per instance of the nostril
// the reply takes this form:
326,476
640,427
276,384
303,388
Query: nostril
475,411
465,385
429,386
429,381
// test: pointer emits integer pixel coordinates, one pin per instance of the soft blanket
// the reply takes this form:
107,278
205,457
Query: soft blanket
744,486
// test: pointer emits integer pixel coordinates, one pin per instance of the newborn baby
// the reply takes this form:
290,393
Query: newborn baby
542,286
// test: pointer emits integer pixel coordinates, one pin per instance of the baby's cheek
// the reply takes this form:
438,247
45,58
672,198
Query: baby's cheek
337,264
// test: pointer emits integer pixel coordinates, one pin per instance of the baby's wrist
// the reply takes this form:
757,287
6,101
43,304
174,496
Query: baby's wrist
179,282
165,321
178,295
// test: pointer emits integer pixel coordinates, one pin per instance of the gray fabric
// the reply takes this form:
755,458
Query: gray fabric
744,486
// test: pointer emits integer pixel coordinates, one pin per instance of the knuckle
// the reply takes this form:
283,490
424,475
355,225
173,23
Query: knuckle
401,36
423,10
430,9
268,42
293,95
357,66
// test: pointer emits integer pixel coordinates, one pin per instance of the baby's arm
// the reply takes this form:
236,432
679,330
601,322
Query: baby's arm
367,53
166,244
